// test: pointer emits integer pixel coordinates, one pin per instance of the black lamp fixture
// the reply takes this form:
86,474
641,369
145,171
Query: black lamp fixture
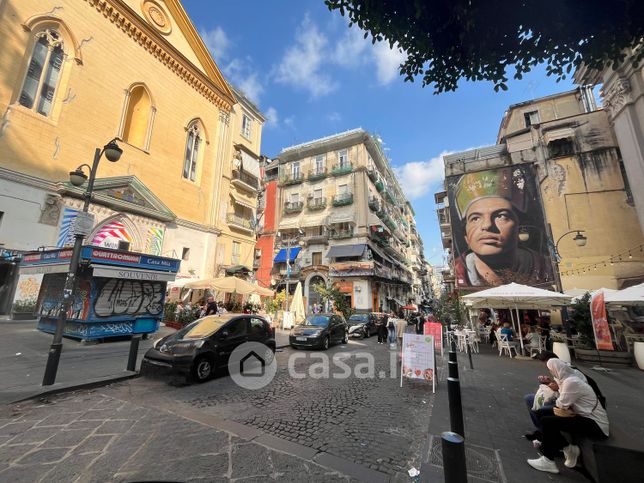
112,152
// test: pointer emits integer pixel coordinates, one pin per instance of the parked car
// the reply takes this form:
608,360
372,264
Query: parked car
202,346
362,325
320,331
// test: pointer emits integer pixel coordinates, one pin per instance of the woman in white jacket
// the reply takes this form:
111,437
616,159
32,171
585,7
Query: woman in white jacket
580,414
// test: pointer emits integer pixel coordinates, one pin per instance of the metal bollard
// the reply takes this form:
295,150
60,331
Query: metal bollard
454,467
469,355
134,352
455,406
453,369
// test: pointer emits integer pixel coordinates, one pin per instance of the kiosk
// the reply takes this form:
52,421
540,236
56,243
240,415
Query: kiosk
118,293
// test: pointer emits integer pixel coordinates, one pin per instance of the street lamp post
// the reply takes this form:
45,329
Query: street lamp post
113,153
289,242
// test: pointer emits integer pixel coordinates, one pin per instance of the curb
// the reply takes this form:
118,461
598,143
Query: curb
68,387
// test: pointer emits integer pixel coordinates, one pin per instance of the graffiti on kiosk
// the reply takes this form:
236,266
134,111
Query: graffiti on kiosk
129,297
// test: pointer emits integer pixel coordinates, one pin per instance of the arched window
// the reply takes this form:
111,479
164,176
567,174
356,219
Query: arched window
138,118
43,73
191,156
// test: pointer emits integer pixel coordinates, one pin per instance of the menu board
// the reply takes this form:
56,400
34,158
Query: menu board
418,362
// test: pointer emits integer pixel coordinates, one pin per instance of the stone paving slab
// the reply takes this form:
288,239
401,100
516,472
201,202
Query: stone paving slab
133,443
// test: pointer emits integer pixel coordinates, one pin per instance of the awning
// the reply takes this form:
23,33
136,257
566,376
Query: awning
342,215
318,220
241,201
346,251
237,269
132,273
288,223
555,134
281,256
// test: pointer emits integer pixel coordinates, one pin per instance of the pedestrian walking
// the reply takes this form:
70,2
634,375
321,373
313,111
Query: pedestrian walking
401,326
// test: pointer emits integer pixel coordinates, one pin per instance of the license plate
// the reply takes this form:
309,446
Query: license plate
300,338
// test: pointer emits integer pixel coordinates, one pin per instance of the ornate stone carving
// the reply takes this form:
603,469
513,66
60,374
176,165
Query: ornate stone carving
50,211
224,117
156,15
616,95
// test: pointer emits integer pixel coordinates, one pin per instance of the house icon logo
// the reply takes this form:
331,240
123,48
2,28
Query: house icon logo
252,365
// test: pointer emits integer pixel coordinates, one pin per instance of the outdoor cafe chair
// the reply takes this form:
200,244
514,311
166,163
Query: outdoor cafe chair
505,345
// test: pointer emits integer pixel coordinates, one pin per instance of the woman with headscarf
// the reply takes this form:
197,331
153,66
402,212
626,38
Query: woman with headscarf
577,412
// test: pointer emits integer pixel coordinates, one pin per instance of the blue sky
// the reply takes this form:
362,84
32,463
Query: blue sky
312,76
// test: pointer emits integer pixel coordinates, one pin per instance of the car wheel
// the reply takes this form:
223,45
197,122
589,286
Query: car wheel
325,343
345,340
203,369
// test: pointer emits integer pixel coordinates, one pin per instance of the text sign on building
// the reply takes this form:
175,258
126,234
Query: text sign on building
418,360
84,223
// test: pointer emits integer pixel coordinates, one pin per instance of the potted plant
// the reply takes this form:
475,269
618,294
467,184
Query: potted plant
24,309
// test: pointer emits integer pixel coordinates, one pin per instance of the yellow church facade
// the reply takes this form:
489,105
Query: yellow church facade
75,74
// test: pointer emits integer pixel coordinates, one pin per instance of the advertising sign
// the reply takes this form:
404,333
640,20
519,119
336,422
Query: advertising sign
418,360
498,228
435,329
600,322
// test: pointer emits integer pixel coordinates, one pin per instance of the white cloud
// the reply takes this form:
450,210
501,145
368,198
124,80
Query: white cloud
334,116
217,42
417,178
290,122
272,118
349,50
243,76
387,61
301,64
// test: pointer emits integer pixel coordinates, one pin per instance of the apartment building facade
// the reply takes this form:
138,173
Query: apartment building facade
343,219
558,165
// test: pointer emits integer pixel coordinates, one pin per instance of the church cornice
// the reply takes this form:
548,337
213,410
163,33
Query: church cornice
131,24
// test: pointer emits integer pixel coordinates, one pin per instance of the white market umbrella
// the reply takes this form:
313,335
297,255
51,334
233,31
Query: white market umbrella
628,296
517,296
229,285
297,304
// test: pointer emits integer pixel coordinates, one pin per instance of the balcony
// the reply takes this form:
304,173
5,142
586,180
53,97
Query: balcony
292,178
343,199
317,174
379,185
373,174
374,204
237,221
389,195
340,169
293,207
443,217
244,180
295,271
316,239
341,234
314,204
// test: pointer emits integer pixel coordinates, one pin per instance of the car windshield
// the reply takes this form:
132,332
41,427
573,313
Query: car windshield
317,320
204,327
359,318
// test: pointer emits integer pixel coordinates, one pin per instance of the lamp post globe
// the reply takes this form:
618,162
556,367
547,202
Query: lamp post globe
112,151
580,239
77,177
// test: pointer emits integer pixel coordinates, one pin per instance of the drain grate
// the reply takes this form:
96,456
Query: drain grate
482,463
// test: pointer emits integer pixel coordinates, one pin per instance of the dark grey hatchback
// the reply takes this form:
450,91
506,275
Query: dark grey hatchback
205,344
320,331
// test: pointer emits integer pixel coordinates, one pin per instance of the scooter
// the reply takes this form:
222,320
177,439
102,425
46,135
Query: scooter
358,331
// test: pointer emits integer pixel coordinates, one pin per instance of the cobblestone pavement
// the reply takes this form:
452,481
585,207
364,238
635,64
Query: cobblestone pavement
91,437
372,422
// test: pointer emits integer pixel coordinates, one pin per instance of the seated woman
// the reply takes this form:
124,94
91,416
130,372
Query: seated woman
577,412
532,339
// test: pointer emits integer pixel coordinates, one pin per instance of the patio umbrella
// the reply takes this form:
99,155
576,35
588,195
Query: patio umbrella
517,296
297,304
628,296
225,284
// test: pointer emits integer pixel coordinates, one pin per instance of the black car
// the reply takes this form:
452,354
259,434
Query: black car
320,331
362,325
206,344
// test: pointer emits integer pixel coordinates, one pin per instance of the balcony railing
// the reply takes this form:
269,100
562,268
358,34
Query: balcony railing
340,169
239,221
374,204
341,234
317,174
245,180
343,199
389,195
379,185
292,178
293,206
295,271
316,203
316,239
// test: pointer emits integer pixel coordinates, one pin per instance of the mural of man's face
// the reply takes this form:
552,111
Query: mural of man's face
491,227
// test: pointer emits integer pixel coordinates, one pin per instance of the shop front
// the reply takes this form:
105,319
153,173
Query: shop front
118,292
